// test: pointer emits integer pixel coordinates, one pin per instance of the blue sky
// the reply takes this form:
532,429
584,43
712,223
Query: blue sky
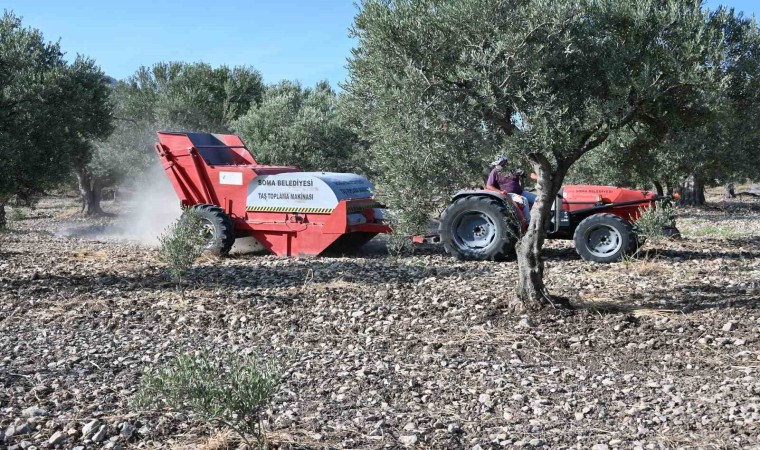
287,39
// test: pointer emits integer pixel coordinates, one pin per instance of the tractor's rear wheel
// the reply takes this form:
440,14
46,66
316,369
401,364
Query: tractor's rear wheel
604,238
217,228
479,228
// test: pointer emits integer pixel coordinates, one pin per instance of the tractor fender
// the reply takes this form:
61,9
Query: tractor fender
492,194
478,193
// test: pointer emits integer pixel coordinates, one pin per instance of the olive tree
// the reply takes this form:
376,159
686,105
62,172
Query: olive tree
167,96
726,147
550,79
125,154
50,112
301,126
722,148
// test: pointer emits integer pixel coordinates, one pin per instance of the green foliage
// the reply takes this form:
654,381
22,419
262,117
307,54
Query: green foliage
400,241
18,214
173,97
197,97
652,221
722,147
439,85
231,391
50,111
301,127
181,244
128,151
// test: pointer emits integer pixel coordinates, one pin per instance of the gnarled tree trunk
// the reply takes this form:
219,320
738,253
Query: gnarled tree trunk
692,191
90,190
532,294
729,191
3,219
658,188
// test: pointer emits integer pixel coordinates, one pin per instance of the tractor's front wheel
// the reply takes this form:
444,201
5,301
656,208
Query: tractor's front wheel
217,229
479,228
604,238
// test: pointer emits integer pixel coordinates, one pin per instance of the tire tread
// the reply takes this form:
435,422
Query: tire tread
631,240
481,203
223,223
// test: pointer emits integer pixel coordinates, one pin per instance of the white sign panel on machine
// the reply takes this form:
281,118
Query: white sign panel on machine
233,178
305,190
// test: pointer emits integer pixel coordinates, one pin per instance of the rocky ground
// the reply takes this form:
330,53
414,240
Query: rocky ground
380,352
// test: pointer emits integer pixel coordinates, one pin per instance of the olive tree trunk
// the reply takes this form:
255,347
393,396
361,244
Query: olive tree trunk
90,190
532,294
692,191
658,187
729,191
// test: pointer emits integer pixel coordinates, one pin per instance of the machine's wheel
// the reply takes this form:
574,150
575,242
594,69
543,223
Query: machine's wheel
217,228
479,228
604,238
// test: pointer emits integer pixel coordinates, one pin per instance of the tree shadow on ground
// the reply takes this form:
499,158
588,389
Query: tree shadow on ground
655,253
714,219
324,273
5,254
755,240
568,253
688,254
687,299
26,232
749,203
360,271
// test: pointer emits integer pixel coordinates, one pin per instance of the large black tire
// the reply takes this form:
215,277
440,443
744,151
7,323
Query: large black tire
218,228
604,238
479,228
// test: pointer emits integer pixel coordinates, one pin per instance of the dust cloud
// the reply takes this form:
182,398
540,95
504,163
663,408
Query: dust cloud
153,206
142,210
150,206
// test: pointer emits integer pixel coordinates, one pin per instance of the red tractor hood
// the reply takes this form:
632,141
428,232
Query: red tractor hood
576,198
604,194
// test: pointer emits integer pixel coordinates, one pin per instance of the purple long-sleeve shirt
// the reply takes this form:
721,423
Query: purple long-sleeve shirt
509,182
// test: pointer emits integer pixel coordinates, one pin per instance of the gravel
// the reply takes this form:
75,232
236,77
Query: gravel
90,428
370,345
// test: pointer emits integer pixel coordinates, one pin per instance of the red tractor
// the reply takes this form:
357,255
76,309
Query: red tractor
295,213
485,225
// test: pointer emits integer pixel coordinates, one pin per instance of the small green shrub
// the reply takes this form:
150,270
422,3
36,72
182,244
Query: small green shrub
652,221
181,244
399,244
18,214
399,241
231,391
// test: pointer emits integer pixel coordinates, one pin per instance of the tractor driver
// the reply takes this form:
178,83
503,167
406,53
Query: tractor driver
508,183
